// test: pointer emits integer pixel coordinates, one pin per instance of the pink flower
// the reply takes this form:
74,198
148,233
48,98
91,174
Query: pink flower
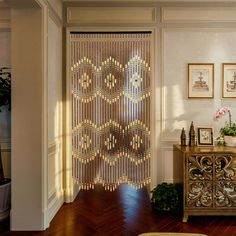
222,111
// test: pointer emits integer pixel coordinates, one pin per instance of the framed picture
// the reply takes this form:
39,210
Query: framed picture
200,80
229,80
205,136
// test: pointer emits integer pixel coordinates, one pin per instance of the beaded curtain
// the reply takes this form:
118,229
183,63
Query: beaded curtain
110,78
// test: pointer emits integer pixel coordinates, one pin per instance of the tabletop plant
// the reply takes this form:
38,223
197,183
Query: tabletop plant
230,127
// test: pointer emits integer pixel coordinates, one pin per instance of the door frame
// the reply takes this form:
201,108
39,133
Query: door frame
71,188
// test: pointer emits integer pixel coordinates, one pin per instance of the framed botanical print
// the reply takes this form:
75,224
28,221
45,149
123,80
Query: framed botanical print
229,80
200,80
205,136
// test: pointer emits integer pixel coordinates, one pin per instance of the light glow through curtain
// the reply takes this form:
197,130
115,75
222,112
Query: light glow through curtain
110,81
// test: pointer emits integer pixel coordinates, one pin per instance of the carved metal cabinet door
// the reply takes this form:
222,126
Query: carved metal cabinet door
199,181
225,181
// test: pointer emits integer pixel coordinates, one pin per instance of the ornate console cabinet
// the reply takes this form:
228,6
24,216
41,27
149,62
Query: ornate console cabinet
209,179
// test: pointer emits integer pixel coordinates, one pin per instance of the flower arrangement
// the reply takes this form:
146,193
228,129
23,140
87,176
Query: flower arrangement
230,128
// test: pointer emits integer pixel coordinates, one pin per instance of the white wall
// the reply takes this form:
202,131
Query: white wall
27,123
37,171
180,47
36,116
5,55
194,46
54,183
184,33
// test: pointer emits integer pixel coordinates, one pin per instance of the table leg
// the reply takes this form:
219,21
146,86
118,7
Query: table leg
185,217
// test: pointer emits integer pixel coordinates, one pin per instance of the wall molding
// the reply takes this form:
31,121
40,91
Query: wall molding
53,148
54,181
197,14
5,18
165,178
54,16
52,195
111,15
170,175
53,208
151,1
169,137
70,189
56,7
7,29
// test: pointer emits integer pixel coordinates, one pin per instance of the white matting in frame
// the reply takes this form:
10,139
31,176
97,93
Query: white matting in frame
200,80
205,136
229,80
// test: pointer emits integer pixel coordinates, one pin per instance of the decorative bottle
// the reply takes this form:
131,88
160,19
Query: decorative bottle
183,138
191,135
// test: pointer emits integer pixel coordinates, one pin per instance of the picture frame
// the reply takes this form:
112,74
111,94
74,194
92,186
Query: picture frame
205,136
229,80
200,80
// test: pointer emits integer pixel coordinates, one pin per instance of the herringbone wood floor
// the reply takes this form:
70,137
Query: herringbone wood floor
124,212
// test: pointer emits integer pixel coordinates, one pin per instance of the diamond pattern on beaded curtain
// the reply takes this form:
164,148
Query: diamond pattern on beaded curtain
110,81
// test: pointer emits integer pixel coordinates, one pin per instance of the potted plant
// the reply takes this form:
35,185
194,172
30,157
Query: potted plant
228,132
5,87
165,198
5,184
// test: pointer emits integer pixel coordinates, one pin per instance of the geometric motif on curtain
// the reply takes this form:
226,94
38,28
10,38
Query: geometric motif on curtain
110,81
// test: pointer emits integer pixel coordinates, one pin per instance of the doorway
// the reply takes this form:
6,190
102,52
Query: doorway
110,80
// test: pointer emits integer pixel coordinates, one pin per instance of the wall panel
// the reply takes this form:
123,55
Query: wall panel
111,14
180,47
193,46
54,101
4,17
186,33
198,14
27,128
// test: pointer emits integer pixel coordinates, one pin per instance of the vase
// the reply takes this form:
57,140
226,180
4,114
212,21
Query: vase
5,199
230,141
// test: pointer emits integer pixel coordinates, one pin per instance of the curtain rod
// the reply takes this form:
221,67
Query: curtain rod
113,32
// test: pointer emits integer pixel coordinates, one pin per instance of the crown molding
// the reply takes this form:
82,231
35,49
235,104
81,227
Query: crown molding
21,3
153,1
3,4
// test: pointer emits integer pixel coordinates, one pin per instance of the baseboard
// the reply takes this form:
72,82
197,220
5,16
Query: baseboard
54,208
71,193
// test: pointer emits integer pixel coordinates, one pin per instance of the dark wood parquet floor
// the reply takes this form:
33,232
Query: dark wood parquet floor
124,212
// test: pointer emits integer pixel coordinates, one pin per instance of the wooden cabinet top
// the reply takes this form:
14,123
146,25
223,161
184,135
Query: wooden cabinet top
206,149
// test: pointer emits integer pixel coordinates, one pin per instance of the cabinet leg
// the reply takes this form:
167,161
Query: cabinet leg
185,217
